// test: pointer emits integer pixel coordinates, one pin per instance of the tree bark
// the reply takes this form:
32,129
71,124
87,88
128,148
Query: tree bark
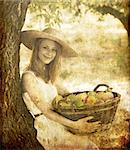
129,24
17,130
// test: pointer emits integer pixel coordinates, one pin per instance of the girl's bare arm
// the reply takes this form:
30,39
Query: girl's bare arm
32,90
37,96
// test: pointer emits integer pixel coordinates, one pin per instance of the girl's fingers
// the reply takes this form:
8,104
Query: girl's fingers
88,118
97,122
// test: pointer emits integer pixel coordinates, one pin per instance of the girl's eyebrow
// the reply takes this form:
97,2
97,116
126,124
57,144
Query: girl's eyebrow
54,47
46,46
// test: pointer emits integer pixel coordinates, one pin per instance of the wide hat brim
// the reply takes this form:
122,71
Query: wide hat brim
29,37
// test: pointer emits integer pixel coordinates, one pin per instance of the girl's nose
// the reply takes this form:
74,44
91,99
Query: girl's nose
49,52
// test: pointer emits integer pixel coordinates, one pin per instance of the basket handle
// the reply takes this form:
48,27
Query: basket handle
99,85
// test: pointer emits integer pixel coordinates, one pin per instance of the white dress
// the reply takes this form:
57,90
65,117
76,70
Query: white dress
50,134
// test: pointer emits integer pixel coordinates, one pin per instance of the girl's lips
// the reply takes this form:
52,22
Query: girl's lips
48,56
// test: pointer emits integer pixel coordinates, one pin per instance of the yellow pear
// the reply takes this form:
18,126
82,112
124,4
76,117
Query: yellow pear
104,95
91,100
81,96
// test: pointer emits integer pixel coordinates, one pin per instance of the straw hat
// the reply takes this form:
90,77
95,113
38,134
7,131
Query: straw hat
28,39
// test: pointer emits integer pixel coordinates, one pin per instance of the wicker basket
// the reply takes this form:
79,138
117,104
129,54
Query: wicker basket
103,112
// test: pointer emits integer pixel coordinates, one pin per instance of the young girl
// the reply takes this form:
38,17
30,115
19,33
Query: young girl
39,89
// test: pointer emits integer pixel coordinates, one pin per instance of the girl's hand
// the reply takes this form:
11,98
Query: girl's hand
84,126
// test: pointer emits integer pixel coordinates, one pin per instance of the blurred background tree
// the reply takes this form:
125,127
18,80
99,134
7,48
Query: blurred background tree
51,11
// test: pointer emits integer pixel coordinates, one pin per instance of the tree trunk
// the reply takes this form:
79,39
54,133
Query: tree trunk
129,25
16,128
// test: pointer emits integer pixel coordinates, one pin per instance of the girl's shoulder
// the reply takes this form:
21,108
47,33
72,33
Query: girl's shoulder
28,76
28,72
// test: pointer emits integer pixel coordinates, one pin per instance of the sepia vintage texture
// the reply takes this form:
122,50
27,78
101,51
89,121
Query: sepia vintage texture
103,51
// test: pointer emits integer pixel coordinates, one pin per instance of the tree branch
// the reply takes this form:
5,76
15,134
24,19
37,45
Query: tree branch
107,9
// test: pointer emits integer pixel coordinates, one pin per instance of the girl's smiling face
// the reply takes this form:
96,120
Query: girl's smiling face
47,50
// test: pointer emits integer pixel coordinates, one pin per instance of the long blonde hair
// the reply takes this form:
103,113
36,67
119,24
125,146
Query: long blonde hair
51,70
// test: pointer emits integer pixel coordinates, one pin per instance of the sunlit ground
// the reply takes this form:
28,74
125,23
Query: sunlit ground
103,54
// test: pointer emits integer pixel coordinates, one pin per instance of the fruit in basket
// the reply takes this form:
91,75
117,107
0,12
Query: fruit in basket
70,98
105,95
109,93
56,100
91,98
93,93
90,103
64,104
79,103
80,99
101,95
76,100
81,96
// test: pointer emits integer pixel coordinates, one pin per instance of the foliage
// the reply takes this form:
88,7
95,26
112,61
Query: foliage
51,10
123,61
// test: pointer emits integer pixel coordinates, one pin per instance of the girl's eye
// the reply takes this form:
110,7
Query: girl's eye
53,50
44,47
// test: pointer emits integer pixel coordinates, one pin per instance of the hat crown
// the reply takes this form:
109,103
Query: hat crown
55,33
